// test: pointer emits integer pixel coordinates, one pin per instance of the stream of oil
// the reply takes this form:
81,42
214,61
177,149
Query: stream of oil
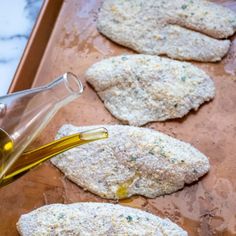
30,159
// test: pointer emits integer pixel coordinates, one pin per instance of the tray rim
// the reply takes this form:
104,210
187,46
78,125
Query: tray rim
36,45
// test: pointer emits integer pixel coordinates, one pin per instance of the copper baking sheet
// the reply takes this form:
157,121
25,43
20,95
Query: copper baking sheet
207,207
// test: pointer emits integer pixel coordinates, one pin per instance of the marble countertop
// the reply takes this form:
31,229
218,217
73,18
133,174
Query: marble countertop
17,18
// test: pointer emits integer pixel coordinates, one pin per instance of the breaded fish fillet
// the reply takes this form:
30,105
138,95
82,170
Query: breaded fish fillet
132,161
138,89
180,29
94,219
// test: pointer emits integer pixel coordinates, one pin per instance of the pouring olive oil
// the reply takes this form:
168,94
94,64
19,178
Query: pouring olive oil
30,159
24,114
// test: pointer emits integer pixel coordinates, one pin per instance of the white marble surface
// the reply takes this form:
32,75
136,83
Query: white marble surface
17,18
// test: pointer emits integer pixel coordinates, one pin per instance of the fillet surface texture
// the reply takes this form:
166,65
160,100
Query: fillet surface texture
180,29
138,89
94,219
132,161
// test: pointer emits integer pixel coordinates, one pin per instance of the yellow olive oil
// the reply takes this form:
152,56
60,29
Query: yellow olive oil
122,190
6,147
30,159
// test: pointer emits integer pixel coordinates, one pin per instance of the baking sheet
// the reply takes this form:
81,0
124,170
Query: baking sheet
207,207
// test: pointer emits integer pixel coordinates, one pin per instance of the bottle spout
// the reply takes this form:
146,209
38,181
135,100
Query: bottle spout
30,159
71,81
73,84
66,87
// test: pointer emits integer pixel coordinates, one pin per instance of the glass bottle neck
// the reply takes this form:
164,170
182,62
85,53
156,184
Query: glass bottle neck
66,88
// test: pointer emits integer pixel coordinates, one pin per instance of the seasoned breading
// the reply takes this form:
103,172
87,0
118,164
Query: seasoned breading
138,89
132,161
94,219
180,29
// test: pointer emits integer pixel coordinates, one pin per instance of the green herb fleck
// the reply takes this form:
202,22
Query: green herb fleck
163,153
124,58
129,218
184,6
183,78
133,158
61,216
151,152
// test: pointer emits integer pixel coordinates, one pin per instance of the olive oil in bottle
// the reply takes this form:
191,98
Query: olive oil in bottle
6,147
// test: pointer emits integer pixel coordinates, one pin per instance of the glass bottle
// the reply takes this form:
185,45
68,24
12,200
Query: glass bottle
24,114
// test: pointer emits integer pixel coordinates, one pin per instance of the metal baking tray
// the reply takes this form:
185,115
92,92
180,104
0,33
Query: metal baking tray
65,39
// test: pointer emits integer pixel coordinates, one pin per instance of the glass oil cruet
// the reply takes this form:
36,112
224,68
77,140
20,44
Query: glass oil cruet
24,114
